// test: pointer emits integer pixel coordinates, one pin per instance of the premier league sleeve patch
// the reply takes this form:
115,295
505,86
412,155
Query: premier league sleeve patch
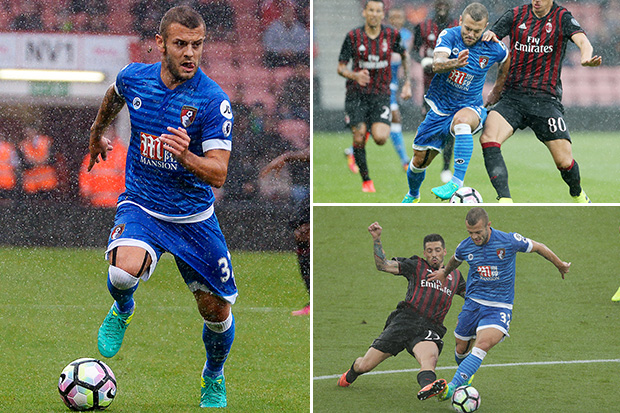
188,115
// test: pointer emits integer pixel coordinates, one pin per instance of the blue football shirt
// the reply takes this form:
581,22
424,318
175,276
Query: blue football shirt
153,178
462,87
491,276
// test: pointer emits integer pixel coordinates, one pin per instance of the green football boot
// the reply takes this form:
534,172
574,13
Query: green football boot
408,199
447,392
213,392
112,331
445,191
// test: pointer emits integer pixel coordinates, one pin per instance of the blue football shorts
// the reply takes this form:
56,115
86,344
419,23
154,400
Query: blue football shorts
435,129
475,316
199,248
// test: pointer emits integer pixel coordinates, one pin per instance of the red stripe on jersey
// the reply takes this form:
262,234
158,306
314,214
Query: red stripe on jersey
522,17
555,68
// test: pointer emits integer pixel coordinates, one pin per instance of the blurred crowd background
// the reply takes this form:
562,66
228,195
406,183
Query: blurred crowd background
257,50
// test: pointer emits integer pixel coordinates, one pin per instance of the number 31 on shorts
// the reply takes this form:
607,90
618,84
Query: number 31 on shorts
224,268
506,317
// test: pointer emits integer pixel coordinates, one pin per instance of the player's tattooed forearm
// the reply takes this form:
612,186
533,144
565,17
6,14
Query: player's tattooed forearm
379,254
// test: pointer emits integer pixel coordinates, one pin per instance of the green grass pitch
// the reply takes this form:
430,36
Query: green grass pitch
52,302
533,176
554,320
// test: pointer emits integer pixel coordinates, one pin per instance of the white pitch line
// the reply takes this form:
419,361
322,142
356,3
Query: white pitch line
533,363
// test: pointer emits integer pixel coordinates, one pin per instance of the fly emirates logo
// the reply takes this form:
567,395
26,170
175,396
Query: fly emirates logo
154,154
533,46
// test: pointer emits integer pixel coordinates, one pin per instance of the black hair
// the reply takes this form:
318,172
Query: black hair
434,238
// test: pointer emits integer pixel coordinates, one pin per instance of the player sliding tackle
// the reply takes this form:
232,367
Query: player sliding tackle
417,323
461,62
486,313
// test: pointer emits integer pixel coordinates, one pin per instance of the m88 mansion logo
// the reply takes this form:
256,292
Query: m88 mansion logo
154,154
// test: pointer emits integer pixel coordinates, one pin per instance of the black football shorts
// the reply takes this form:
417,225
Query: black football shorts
367,108
544,115
403,330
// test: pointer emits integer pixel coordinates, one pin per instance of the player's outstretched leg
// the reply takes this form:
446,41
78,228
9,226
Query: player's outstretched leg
496,169
218,338
121,285
432,389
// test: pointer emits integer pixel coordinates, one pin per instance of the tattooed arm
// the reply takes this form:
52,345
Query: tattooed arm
110,107
381,262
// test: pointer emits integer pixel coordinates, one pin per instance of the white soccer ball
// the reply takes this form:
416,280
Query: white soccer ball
87,384
466,399
466,195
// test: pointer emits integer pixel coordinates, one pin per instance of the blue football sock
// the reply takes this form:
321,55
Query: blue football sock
415,177
396,134
459,357
217,345
468,367
463,148
122,285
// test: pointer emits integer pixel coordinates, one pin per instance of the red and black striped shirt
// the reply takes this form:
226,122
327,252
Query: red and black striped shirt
429,298
372,54
426,34
424,39
537,47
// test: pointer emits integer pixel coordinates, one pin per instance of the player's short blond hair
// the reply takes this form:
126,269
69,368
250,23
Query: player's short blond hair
477,12
475,215
183,15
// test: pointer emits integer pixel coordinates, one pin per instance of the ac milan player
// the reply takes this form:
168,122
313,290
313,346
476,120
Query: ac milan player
425,37
367,102
417,323
486,314
532,94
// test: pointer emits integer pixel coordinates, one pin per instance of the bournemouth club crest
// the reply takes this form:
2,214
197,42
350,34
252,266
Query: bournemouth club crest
501,253
483,61
188,114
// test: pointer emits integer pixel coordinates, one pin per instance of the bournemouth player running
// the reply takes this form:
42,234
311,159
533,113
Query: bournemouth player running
486,313
532,96
181,124
461,62
417,323
367,102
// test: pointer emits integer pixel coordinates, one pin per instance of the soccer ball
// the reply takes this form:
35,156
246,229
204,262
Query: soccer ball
466,399
87,384
466,195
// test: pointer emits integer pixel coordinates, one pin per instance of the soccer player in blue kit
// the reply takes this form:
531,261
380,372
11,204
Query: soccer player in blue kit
181,125
461,62
489,294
